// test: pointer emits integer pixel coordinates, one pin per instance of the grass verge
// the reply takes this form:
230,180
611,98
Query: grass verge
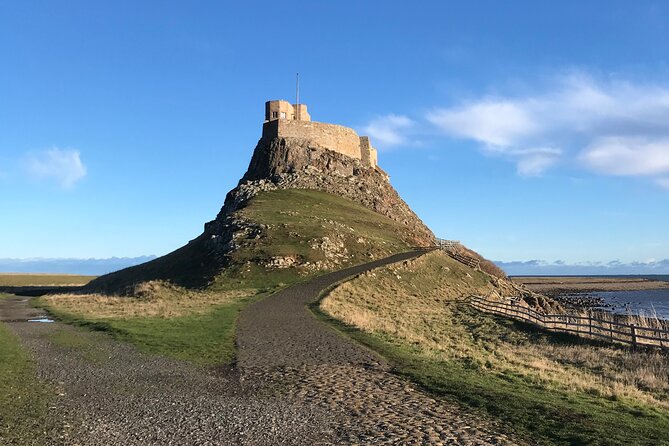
194,326
549,389
24,400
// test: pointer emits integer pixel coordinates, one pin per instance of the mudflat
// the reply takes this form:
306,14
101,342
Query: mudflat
555,285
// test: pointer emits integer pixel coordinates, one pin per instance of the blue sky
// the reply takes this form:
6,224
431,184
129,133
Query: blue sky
527,130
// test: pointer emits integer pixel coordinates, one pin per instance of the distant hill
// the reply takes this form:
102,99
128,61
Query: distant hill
560,268
86,267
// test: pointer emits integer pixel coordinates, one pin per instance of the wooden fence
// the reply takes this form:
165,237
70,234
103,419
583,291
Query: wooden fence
452,248
592,325
448,244
469,261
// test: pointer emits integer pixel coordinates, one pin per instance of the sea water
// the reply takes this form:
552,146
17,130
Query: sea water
639,302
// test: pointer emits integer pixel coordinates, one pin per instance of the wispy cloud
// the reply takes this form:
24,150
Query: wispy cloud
663,182
389,130
610,127
628,156
498,123
61,165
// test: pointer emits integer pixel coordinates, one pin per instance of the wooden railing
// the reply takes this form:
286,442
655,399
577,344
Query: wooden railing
469,261
448,244
591,325
453,249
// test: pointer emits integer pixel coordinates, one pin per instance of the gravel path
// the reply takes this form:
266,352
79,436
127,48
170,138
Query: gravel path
297,382
280,341
111,394
281,331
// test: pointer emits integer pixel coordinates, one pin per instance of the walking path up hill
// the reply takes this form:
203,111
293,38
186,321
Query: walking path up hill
297,382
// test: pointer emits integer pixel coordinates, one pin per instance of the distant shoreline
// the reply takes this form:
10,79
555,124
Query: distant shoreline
560,285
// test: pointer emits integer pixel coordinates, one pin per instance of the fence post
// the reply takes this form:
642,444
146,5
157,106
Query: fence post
611,330
633,331
590,323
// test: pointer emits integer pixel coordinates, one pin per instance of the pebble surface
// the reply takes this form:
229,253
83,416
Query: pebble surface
297,382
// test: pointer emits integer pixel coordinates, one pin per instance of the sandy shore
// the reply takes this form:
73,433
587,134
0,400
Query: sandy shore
556,285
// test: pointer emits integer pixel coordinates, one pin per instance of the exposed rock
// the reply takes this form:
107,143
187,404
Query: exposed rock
278,163
293,163
282,262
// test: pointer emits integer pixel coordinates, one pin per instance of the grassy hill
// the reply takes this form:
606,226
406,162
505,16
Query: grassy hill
552,389
317,231
289,235
292,235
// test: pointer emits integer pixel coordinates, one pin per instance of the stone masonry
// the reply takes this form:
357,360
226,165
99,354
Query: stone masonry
285,120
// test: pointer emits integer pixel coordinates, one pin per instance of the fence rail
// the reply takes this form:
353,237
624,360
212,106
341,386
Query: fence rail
453,249
586,326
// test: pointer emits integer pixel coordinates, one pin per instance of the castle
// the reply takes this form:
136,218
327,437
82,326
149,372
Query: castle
286,120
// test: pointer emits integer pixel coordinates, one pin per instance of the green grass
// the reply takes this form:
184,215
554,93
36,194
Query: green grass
205,339
24,400
43,279
294,218
288,223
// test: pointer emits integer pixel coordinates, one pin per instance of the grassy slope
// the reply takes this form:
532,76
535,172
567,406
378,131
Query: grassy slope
7,279
24,401
204,333
550,389
296,218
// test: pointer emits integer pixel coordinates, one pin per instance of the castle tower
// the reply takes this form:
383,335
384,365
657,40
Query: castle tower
281,109
283,119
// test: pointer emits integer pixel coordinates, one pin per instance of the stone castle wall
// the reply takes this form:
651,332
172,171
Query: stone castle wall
330,136
368,153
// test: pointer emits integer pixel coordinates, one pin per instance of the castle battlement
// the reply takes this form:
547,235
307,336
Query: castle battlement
286,120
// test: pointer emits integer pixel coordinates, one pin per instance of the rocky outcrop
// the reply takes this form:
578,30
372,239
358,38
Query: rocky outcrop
294,163
277,163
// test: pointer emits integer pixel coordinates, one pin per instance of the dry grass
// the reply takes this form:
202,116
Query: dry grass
423,304
153,299
29,279
486,265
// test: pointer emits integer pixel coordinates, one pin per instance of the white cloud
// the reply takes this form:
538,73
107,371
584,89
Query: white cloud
534,162
611,127
498,123
628,156
389,130
62,165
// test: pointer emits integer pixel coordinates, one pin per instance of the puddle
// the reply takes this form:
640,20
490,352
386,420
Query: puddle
42,319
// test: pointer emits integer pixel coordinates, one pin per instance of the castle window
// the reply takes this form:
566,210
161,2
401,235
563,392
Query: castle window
283,115
275,115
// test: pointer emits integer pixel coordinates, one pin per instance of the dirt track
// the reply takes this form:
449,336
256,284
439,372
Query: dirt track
297,382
